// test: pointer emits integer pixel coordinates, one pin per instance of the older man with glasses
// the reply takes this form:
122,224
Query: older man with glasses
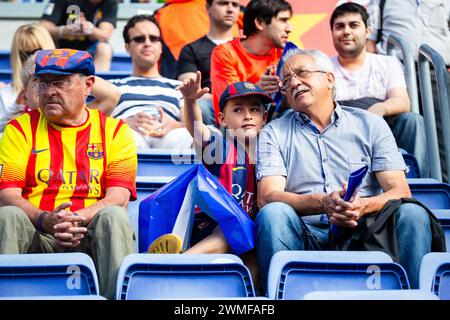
67,172
150,103
306,156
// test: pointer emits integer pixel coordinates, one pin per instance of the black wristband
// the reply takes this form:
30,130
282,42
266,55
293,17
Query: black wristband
40,220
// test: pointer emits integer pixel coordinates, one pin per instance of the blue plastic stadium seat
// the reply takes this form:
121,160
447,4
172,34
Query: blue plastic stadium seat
165,162
4,59
121,62
435,274
412,166
178,276
50,274
145,186
433,195
444,217
371,295
292,274
109,75
5,75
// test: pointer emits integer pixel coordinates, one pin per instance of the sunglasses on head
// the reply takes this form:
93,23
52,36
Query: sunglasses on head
142,38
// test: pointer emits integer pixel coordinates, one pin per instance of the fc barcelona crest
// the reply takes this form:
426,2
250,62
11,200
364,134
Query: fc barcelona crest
95,151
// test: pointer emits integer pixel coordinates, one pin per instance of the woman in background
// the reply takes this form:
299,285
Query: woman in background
26,41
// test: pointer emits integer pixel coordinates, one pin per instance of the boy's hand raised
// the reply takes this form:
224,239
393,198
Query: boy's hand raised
191,88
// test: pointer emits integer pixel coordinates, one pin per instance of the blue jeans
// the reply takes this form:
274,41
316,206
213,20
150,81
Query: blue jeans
409,132
278,227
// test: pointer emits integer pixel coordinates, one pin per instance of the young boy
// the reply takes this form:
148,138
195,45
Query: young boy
242,115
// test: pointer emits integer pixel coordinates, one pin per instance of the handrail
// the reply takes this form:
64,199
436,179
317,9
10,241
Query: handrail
426,56
394,41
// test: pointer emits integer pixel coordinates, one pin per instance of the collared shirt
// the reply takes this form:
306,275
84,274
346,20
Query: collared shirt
318,162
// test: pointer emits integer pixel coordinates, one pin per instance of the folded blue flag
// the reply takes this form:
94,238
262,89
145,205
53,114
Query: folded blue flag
354,182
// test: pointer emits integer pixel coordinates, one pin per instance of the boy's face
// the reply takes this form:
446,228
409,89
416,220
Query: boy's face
244,115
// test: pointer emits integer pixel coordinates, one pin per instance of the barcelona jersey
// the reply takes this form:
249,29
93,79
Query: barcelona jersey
53,164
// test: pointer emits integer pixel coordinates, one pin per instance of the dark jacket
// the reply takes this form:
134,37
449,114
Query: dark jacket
378,233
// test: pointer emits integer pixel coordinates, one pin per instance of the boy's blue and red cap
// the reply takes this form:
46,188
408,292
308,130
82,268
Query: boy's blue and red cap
243,89
64,61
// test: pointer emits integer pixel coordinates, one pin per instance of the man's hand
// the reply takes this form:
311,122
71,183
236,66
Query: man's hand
85,26
65,226
165,125
191,88
69,233
55,217
342,213
269,80
144,123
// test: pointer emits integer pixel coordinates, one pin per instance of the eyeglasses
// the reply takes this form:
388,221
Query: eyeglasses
142,38
298,74
25,54
58,84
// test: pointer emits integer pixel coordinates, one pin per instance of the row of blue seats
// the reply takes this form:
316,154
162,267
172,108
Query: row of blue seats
6,75
293,275
120,61
121,67
166,162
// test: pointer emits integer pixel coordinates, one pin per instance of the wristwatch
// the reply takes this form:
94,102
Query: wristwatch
40,221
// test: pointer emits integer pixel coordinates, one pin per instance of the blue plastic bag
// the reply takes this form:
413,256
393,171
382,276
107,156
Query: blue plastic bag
158,213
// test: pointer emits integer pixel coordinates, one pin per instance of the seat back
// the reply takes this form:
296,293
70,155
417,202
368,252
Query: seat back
371,295
435,274
49,274
164,162
4,59
292,274
433,195
178,276
412,166
121,62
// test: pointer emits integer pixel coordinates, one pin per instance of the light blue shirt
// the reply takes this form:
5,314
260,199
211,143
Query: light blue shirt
315,162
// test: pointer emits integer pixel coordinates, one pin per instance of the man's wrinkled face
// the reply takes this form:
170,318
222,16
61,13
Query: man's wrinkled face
62,97
304,84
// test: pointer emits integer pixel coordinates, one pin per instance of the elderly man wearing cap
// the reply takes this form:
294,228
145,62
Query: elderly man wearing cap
67,172
306,156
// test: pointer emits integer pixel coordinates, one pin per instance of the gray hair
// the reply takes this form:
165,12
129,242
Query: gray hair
321,59
27,72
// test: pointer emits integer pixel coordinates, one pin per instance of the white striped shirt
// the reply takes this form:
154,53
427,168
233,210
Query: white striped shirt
141,94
